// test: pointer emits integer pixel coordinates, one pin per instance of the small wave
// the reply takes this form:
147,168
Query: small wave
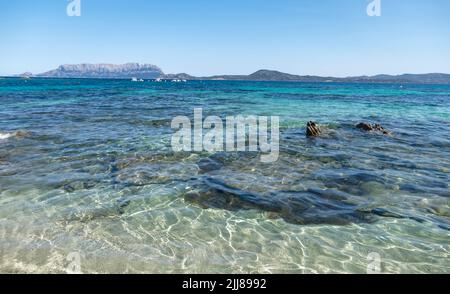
4,136
18,134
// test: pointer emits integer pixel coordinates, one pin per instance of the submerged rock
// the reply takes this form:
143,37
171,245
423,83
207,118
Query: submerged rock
78,185
208,164
21,134
372,128
312,129
85,214
297,207
313,206
3,159
122,204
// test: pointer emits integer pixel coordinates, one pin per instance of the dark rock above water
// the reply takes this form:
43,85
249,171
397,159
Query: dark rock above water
372,127
312,129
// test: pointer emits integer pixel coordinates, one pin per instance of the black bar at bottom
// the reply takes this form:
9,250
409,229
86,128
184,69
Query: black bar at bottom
218,283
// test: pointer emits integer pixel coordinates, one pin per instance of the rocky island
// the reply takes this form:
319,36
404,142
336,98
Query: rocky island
149,71
129,70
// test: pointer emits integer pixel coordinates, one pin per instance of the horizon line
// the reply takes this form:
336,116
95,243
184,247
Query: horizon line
234,74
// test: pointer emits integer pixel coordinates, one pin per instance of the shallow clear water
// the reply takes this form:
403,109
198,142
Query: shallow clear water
86,166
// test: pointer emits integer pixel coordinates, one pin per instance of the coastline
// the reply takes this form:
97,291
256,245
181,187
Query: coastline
240,80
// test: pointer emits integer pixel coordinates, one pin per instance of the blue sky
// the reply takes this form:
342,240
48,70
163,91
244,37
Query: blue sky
206,37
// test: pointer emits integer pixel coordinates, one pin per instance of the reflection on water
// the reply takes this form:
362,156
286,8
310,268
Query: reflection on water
86,166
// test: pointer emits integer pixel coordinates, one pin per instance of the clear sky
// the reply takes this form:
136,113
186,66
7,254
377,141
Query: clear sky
206,37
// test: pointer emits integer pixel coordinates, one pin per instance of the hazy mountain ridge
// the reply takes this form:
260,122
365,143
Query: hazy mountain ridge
149,71
272,75
129,70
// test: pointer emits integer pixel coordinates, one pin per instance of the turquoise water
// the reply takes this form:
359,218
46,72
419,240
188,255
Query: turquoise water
86,166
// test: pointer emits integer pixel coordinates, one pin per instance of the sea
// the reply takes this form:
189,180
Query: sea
90,183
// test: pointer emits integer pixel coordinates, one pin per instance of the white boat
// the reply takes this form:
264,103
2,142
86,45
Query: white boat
158,80
134,79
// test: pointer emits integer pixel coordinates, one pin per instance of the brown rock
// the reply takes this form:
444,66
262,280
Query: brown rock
365,126
21,134
372,127
312,129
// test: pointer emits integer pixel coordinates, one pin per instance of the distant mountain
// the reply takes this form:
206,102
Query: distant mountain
129,70
269,75
260,75
148,71
272,75
180,76
26,75
430,78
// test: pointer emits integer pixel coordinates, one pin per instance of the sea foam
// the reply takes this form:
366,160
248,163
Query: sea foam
4,136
